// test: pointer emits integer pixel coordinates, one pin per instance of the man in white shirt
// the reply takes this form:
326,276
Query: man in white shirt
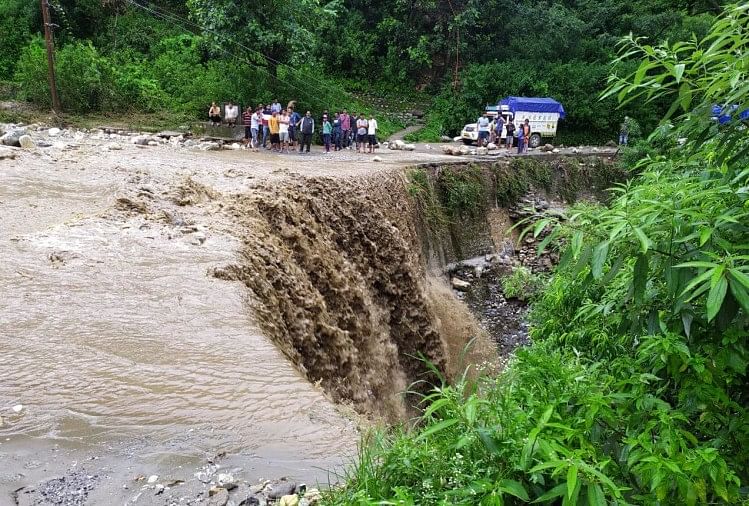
275,107
483,124
232,113
372,133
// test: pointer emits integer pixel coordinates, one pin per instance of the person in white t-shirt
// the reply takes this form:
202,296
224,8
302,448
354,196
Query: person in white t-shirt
232,113
283,130
372,133
362,126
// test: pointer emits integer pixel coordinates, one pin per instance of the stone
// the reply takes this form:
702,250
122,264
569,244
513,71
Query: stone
555,150
547,147
224,479
11,138
457,139
575,151
398,144
153,479
26,142
460,285
464,150
53,132
289,500
218,496
235,146
482,151
153,143
140,140
281,488
114,147
313,496
7,153
376,159
18,408
491,146
210,146
256,489
408,147
250,501
445,138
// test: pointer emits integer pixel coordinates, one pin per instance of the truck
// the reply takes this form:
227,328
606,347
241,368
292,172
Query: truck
542,113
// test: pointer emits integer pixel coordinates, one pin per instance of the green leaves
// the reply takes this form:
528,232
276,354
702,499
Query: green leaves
600,252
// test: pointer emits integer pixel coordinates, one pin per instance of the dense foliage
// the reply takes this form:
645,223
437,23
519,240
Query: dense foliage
635,388
178,55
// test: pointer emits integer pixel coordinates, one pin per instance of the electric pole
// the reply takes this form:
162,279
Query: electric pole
50,57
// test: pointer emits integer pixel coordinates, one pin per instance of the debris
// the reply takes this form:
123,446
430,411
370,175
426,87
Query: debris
459,284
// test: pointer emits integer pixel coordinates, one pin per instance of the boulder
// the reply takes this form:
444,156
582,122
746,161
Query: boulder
140,140
398,144
235,146
482,151
460,285
278,489
448,150
53,132
218,496
313,496
464,150
26,142
289,500
555,150
408,147
12,138
376,159
153,143
547,147
491,146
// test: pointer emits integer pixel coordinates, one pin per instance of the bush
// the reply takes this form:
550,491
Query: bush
521,284
31,74
462,191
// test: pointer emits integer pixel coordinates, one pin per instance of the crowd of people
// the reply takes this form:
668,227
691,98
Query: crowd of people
491,131
282,129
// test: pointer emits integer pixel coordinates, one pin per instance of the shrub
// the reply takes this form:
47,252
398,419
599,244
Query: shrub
462,191
31,73
521,284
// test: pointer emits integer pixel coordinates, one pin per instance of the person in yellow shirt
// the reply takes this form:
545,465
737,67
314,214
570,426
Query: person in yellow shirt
274,125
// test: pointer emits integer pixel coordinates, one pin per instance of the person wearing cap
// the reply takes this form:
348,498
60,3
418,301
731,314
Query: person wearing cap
327,131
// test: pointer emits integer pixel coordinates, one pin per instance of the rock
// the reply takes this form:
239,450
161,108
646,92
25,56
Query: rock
457,139
218,496
376,159
398,144
445,138
256,489
225,480
167,134
140,140
575,151
26,142
114,147
18,408
408,147
198,238
312,496
555,150
611,144
460,285
547,147
7,153
12,138
281,488
53,132
491,146
289,500
153,479
482,151
210,146
235,146
250,501
153,143
464,150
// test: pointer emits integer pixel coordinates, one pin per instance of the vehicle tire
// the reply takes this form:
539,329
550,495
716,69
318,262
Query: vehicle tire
467,142
535,140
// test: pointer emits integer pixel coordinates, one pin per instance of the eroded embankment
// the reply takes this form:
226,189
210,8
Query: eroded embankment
335,270
343,275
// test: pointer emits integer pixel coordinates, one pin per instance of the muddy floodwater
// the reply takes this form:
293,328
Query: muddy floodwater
120,353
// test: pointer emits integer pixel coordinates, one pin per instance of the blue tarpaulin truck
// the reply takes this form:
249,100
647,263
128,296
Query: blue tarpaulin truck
542,113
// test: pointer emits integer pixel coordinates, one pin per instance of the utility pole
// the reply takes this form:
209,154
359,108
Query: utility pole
50,56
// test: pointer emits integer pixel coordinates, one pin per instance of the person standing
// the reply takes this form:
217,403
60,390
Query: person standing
327,132
510,134
345,128
275,107
294,119
232,113
337,132
526,134
499,126
247,121
624,132
274,126
372,132
255,124
362,127
306,128
283,131
521,138
266,131
483,125
214,114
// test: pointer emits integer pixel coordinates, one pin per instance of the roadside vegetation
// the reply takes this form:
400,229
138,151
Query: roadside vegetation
172,58
634,390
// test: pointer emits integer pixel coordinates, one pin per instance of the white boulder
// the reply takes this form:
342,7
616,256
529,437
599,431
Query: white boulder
26,142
